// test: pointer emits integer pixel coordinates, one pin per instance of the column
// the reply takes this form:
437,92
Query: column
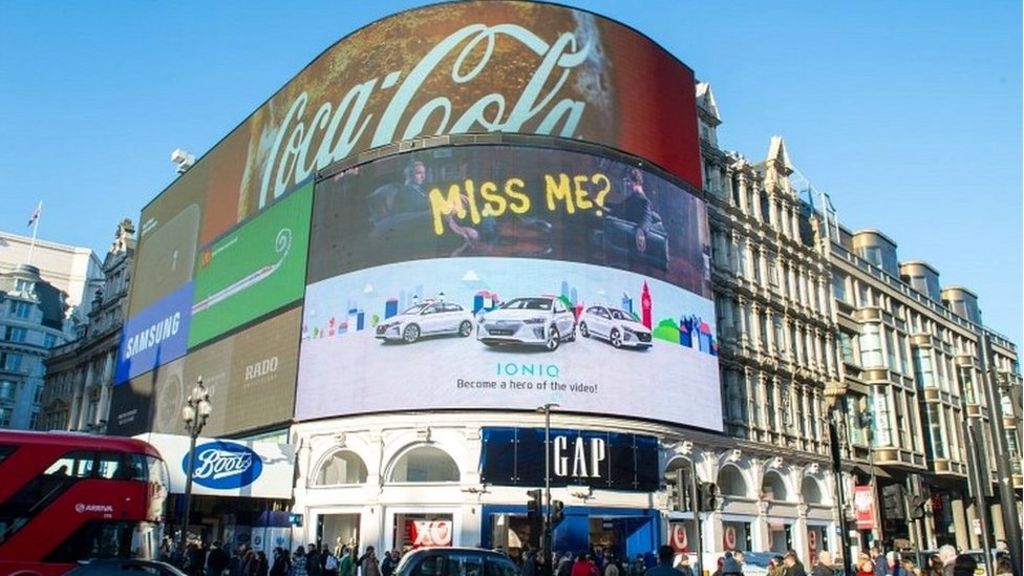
998,529
741,187
959,522
760,538
800,535
76,399
972,518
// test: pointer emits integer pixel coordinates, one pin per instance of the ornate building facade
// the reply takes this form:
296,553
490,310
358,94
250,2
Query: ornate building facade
79,374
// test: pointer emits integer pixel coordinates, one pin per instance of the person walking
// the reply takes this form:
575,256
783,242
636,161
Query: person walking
370,566
664,566
345,565
314,564
792,565
823,566
298,567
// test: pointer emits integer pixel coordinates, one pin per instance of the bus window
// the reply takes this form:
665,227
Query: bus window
108,465
77,464
5,451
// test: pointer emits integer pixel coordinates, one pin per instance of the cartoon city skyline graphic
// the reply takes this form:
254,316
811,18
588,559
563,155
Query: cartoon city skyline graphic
369,308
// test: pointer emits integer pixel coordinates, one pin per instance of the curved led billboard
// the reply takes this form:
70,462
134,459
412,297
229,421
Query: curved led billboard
467,67
236,238
508,277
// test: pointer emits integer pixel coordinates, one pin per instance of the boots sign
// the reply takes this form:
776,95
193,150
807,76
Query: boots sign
516,457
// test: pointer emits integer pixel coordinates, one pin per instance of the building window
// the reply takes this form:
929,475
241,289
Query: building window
935,432
846,348
342,467
22,285
33,420
10,361
38,396
870,347
425,464
882,429
7,388
19,309
15,334
5,417
49,340
923,368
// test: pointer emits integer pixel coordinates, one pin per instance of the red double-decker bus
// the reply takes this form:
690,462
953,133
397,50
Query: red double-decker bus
66,497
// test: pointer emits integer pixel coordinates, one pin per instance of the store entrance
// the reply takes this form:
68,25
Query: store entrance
336,530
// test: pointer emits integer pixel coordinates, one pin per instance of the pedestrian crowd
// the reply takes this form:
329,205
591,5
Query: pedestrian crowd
196,559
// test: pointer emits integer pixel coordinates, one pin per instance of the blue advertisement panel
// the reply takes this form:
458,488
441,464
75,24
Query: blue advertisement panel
156,335
608,460
507,333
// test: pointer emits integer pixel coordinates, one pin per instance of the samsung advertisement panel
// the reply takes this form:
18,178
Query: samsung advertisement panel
471,67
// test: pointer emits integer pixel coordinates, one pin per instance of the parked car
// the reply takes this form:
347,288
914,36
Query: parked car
538,321
616,326
124,567
456,562
427,319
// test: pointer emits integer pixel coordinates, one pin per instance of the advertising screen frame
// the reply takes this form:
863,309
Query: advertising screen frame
712,422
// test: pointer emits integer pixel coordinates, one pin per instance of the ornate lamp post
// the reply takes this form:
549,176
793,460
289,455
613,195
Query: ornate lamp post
195,413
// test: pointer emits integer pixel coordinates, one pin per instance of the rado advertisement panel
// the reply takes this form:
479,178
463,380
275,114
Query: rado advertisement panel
250,377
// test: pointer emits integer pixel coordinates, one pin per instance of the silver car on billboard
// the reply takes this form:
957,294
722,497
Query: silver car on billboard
618,327
428,318
536,321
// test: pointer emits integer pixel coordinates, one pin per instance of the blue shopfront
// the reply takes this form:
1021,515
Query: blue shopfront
622,466
628,531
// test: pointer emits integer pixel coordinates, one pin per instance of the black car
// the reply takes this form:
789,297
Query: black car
456,562
125,567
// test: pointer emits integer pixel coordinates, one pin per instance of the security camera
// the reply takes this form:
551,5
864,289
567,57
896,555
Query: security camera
183,159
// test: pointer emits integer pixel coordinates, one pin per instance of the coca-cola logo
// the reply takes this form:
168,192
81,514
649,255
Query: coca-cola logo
222,465
313,135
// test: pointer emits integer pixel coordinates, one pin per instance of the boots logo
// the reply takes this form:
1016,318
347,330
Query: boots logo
224,465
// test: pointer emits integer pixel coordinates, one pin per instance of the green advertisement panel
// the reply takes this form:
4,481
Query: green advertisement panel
253,269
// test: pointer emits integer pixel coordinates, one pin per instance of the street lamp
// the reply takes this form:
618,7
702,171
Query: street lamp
546,544
195,413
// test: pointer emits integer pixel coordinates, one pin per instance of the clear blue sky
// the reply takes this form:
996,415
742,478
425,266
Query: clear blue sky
907,113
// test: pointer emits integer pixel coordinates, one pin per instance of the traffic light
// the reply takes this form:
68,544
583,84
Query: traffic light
533,505
677,483
557,512
534,516
707,493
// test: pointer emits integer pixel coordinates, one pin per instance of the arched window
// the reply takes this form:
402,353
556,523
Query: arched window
810,491
731,482
425,464
342,467
772,487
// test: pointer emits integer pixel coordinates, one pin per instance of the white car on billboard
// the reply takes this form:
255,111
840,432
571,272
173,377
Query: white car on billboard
536,321
428,318
618,327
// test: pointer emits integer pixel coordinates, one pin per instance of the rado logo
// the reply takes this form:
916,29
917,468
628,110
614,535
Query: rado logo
262,368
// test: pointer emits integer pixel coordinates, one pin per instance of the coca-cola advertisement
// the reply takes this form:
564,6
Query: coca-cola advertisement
470,67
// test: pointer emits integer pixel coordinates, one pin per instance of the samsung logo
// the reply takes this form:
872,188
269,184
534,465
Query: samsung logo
152,335
222,465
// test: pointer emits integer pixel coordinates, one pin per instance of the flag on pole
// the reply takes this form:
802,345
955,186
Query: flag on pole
35,215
